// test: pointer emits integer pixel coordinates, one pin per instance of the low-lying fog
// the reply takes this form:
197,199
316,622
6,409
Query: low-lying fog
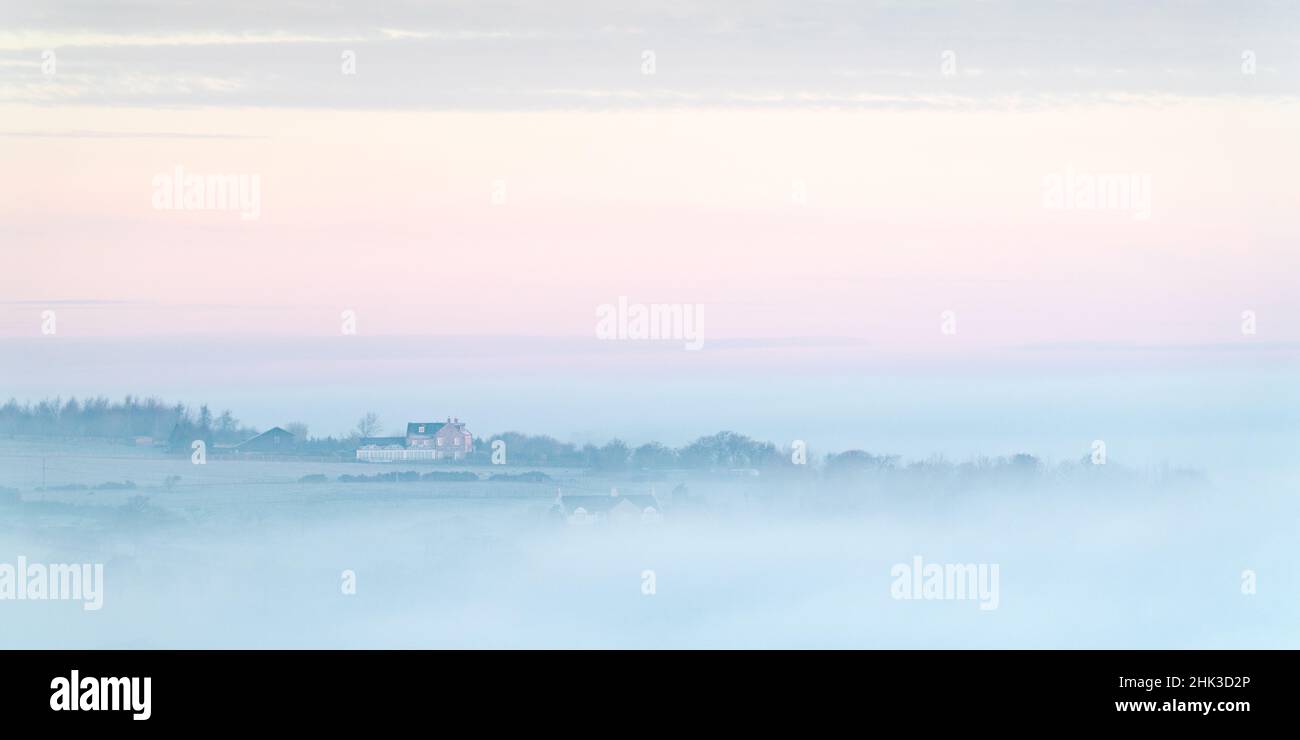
244,555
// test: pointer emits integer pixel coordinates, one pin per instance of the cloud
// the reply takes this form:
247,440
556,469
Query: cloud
40,40
1215,347
71,302
88,134
781,53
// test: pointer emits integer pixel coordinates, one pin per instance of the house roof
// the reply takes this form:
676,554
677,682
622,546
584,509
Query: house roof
272,432
433,427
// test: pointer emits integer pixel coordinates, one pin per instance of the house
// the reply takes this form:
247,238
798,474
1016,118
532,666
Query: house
424,440
272,440
614,508
449,439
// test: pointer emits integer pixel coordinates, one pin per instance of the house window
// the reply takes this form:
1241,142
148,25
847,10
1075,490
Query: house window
421,429
440,441
456,441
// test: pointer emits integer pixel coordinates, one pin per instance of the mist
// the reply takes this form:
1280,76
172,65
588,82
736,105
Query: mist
246,554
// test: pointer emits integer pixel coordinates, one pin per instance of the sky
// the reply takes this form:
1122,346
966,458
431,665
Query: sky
863,199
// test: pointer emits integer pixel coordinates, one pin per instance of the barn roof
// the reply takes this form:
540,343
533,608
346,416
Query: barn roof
273,432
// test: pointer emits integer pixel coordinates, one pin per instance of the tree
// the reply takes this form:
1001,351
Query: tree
654,456
369,426
227,423
729,450
298,430
613,456
852,462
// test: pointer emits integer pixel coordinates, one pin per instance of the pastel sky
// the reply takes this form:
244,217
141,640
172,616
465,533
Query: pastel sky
826,179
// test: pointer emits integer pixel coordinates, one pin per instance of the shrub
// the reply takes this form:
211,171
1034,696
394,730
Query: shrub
115,486
530,477
448,476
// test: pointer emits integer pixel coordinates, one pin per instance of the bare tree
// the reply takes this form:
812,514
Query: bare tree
368,426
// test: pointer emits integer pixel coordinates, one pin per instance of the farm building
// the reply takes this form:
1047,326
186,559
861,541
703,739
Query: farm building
272,440
424,440
614,508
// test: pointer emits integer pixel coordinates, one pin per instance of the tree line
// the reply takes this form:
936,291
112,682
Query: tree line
179,425
722,450
129,418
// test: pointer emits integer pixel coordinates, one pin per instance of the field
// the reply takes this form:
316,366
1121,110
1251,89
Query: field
242,554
